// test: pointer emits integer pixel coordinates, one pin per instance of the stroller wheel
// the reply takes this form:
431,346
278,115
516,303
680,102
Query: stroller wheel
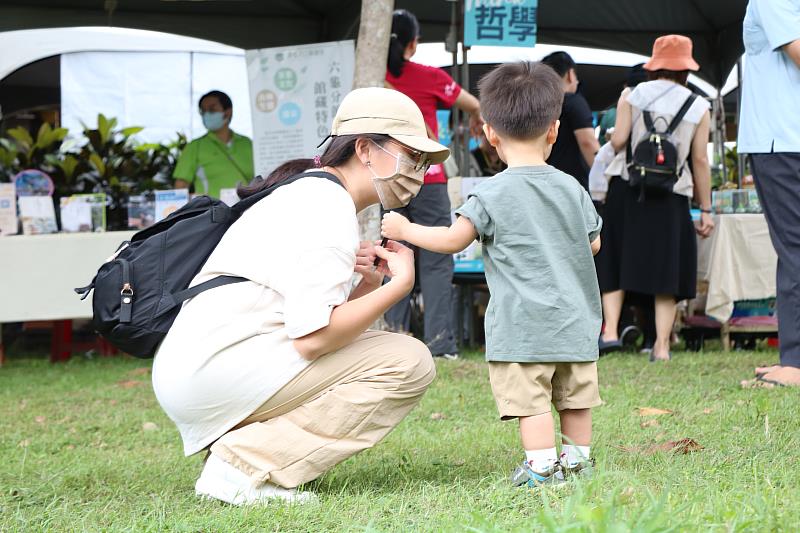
630,336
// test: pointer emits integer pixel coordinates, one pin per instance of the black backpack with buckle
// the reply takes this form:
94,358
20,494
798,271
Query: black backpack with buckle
653,165
139,291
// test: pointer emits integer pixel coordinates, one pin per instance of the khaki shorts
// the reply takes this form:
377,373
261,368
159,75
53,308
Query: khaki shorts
528,389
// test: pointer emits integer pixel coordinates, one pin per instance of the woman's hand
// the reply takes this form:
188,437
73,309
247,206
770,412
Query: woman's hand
705,225
393,225
365,265
399,261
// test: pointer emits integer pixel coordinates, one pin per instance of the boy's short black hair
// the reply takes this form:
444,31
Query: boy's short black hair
561,62
521,99
224,99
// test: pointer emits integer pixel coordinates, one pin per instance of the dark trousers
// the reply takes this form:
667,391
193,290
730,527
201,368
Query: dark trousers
431,207
777,178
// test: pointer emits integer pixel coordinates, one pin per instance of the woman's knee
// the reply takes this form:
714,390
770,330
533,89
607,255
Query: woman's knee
415,359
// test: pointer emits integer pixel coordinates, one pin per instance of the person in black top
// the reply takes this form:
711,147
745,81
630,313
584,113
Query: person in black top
576,145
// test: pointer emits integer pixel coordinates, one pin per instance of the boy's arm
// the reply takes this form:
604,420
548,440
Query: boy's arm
596,245
440,239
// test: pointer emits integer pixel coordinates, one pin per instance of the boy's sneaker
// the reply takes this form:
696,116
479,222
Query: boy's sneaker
221,481
583,469
525,475
448,356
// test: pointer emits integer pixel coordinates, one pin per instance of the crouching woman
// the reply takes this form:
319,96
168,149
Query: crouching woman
279,375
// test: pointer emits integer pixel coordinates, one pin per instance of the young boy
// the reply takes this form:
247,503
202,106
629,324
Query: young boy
539,230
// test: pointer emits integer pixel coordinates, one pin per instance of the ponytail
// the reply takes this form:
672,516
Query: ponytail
405,28
396,59
338,152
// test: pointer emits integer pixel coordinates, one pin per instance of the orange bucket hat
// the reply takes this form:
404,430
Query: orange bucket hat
672,52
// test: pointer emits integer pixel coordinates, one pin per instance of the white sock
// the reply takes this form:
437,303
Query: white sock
541,460
574,454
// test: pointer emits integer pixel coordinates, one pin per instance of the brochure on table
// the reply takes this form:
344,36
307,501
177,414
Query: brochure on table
228,196
37,215
167,202
141,211
8,209
83,212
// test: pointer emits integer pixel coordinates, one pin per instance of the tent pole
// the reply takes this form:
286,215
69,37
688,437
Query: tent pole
464,124
718,137
721,135
454,39
740,157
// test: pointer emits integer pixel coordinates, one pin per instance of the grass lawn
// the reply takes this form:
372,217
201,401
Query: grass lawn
74,456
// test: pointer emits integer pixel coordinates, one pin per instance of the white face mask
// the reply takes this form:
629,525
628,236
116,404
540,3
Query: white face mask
397,189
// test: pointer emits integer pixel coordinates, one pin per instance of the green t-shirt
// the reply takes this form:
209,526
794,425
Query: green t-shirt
536,224
212,165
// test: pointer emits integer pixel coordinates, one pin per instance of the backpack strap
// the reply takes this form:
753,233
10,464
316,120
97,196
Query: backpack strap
648,121
170,301
219,281
676,121
243,205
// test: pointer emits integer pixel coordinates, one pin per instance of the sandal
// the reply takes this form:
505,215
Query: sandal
760,375
606,347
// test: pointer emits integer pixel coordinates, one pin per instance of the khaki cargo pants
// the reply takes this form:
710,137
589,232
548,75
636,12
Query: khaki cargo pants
342,403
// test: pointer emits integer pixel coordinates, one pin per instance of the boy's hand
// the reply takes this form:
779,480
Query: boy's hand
393,226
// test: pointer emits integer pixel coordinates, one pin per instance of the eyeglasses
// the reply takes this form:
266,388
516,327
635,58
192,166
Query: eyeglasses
419,160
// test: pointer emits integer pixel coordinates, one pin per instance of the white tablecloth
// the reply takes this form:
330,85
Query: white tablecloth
738,262
38,273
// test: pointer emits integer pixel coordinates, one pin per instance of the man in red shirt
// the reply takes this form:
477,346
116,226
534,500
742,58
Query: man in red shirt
430,88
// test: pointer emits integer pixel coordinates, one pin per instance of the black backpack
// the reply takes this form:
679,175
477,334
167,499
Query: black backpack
138,293
654,166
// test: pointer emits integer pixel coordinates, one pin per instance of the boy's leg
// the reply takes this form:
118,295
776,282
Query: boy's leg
575,393
576,426
538,437
576,431
523,391
537,432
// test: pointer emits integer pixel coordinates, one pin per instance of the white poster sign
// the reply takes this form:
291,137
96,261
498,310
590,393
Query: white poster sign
294,94
156,90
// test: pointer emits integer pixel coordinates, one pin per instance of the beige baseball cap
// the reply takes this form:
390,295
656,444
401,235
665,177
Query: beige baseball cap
389,112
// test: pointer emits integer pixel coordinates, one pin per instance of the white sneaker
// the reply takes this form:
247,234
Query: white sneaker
221,481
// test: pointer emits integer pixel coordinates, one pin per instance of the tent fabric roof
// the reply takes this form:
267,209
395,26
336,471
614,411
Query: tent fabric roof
715,26
23,47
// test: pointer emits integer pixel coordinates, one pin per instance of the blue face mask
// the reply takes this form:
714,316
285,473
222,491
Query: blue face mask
213,120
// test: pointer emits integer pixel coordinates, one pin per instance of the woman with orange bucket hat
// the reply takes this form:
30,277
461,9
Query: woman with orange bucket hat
649,245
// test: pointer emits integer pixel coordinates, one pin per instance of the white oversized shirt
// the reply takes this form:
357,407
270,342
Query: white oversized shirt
230,348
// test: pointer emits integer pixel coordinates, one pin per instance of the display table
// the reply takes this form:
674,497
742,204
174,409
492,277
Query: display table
466,277
738,263
38,273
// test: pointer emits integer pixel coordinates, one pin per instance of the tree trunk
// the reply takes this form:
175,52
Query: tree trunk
372,50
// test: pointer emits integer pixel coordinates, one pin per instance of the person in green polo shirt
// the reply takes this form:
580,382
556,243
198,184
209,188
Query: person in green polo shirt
220,159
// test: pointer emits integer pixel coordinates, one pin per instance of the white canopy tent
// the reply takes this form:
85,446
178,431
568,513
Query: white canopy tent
23,47
143,78
182,68
434,54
